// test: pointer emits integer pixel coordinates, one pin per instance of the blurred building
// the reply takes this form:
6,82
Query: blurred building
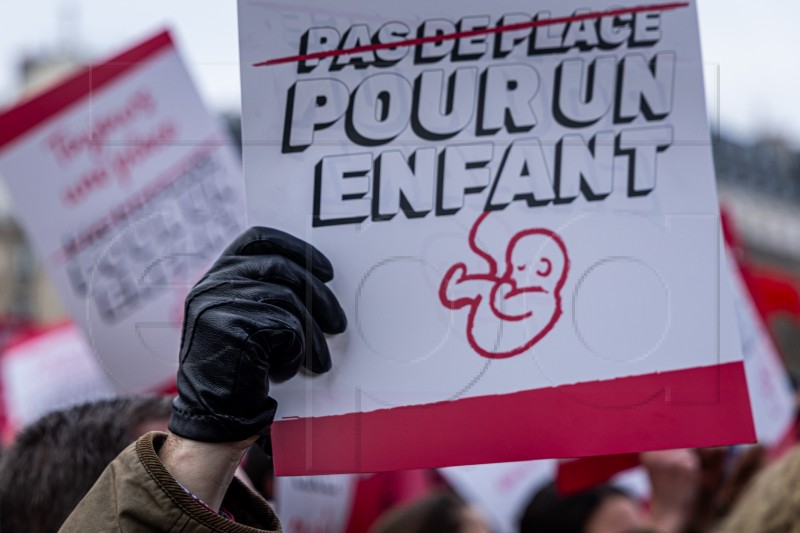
26,293
759,184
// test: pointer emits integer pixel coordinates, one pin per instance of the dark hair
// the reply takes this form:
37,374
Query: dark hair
54,462
438,513
551,512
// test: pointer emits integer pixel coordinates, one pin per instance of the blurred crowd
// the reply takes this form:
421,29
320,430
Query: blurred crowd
54,462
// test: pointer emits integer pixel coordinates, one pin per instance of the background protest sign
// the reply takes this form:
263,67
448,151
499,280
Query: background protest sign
520,206
128,190
48,370
315,504
768,381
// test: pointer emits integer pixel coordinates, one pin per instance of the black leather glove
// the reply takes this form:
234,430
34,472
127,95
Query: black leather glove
260,312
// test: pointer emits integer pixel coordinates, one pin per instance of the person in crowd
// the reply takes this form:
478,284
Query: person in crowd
600,509
673,478
771,502
726,473
439,512
259,314
54,462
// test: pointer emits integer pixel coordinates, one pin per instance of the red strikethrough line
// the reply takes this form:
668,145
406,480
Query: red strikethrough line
471,33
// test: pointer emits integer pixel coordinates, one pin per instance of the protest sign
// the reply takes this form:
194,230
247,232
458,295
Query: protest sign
48,370
767,379
315,504
128,189
771,395
519,203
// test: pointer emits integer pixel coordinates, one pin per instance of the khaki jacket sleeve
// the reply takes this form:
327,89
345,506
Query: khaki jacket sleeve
136,493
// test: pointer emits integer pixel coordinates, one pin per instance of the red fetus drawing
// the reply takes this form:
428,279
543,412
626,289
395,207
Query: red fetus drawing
512,311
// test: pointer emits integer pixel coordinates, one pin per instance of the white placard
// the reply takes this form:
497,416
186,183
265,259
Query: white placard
770,387
315,504
519,203
49,371
128,189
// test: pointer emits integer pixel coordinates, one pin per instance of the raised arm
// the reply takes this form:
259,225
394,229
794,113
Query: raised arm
260,313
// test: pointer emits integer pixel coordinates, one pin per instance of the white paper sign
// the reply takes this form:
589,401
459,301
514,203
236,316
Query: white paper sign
771,391
52,370
315,504
520,207
128,190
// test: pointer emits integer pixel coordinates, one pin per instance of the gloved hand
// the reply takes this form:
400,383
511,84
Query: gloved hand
260,312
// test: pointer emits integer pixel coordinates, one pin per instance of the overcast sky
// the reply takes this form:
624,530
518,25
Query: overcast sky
749,44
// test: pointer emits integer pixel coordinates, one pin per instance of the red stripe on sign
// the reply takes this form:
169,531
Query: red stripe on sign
623,415
473,33
27,115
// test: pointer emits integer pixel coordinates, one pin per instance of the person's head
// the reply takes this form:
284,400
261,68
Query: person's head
54,462
437,513
771,501
604,509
